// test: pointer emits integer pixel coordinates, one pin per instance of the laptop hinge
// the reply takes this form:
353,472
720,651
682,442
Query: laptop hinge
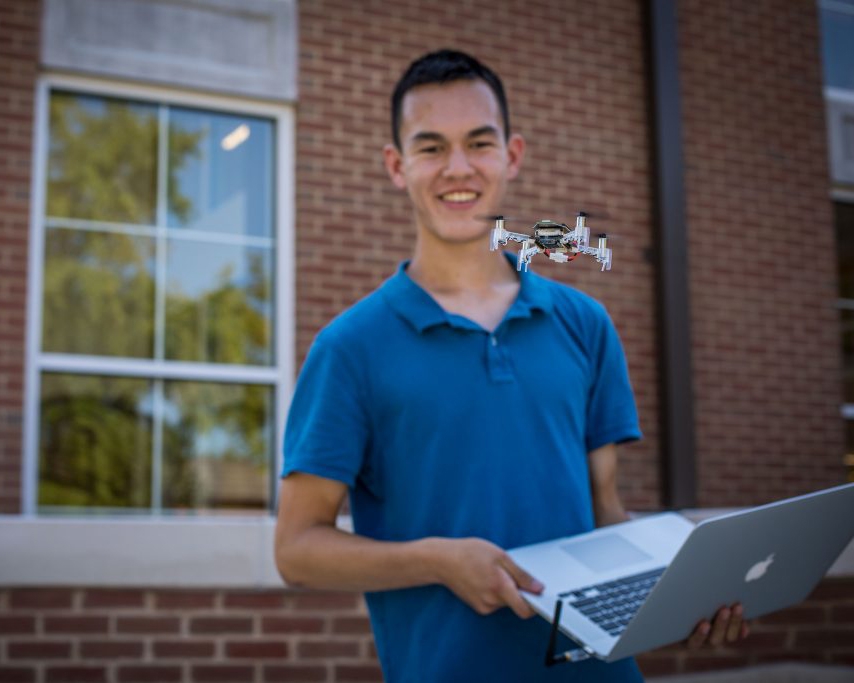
574,655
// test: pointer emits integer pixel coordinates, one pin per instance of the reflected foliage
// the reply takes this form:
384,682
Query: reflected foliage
95,443
229,323
98,294
103,160
216,443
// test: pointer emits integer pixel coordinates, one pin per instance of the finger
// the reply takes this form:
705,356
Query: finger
716,637
509,593
733,630
522,578
698,637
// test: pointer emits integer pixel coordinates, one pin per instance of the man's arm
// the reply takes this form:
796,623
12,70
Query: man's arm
727,625
607,506
312,553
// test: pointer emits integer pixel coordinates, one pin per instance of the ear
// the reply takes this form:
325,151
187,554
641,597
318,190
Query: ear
394,166
515,154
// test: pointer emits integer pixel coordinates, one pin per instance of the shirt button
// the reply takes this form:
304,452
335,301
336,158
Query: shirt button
493,340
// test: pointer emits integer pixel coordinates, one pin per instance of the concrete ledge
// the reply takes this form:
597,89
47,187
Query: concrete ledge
166,551
772,673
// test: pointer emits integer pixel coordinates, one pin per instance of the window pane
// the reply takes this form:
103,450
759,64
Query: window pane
848,355
220,173
102,160
845,248
217,446
95,442
219,303
98,293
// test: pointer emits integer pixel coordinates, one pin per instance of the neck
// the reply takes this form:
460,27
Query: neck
452,268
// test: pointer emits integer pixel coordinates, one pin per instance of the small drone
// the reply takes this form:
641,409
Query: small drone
556,240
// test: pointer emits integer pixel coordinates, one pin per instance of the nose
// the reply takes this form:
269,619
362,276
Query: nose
458,163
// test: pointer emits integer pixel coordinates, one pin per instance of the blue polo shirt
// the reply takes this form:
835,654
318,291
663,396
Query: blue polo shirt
441,428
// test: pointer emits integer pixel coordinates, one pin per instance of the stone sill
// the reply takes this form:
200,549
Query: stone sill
234,552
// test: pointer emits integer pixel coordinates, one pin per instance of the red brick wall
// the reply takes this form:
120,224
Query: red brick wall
766,335
19,32
130,636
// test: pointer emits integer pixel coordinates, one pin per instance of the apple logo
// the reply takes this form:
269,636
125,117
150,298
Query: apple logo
757,571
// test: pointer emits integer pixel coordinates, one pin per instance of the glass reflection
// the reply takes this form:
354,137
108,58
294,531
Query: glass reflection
837,27
217,442
98,293
219,303
102,159
220,167
95,442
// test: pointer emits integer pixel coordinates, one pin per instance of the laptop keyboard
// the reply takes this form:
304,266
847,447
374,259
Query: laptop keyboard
612,605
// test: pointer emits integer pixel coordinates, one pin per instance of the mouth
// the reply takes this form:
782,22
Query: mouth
459,198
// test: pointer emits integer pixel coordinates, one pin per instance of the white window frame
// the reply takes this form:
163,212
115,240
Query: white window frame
280,375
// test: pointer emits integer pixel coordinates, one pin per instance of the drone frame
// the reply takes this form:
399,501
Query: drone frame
576,241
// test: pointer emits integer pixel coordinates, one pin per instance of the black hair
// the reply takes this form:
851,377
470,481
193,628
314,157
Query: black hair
445,66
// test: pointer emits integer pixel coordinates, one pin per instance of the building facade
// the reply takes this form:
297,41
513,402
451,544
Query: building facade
193,189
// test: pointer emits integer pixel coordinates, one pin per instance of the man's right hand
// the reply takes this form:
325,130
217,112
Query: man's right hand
482,575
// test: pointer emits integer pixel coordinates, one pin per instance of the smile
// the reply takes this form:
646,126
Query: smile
459,197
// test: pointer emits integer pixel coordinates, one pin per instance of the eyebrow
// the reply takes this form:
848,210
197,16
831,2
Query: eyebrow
430,136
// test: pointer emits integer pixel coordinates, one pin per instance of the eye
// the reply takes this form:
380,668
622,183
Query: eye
482,144
429,149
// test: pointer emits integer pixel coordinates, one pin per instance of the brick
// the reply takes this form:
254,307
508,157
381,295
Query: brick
292,624
825,638
113,598
325,601
347,673
18,674
184,600
351,625
111,649
327,649
38,649
215,625
807,614
148,625
76,624
255,600
75,674
149,674
283,673
833,590
256,649
40,598
12,625
221,673
183,649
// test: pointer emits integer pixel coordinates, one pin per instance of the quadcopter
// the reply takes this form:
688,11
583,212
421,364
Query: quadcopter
556,240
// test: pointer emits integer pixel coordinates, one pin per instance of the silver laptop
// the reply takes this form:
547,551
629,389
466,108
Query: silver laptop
628,588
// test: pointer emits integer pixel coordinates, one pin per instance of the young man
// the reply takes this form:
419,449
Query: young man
422,401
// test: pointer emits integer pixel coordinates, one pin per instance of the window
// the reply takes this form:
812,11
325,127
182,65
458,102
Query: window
837,27
161,335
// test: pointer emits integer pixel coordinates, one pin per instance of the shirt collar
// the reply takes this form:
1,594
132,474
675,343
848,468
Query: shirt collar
421,311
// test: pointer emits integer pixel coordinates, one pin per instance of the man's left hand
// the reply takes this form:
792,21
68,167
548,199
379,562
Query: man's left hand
728,626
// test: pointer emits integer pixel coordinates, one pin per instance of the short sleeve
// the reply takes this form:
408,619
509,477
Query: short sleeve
326,433
611,411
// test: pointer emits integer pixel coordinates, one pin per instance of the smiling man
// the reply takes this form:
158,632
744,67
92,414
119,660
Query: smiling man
417,402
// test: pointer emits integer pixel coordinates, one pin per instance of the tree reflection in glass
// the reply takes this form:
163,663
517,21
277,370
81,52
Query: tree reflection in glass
95,442
98,293
216,441
102,162
219,303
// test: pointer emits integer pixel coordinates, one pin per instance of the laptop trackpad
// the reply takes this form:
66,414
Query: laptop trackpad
605,552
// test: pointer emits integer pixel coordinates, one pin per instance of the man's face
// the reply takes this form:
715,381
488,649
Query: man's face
454,161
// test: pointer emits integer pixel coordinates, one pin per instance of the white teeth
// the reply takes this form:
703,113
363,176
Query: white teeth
459,196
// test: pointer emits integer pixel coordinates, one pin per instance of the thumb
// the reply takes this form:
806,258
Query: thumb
522,578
